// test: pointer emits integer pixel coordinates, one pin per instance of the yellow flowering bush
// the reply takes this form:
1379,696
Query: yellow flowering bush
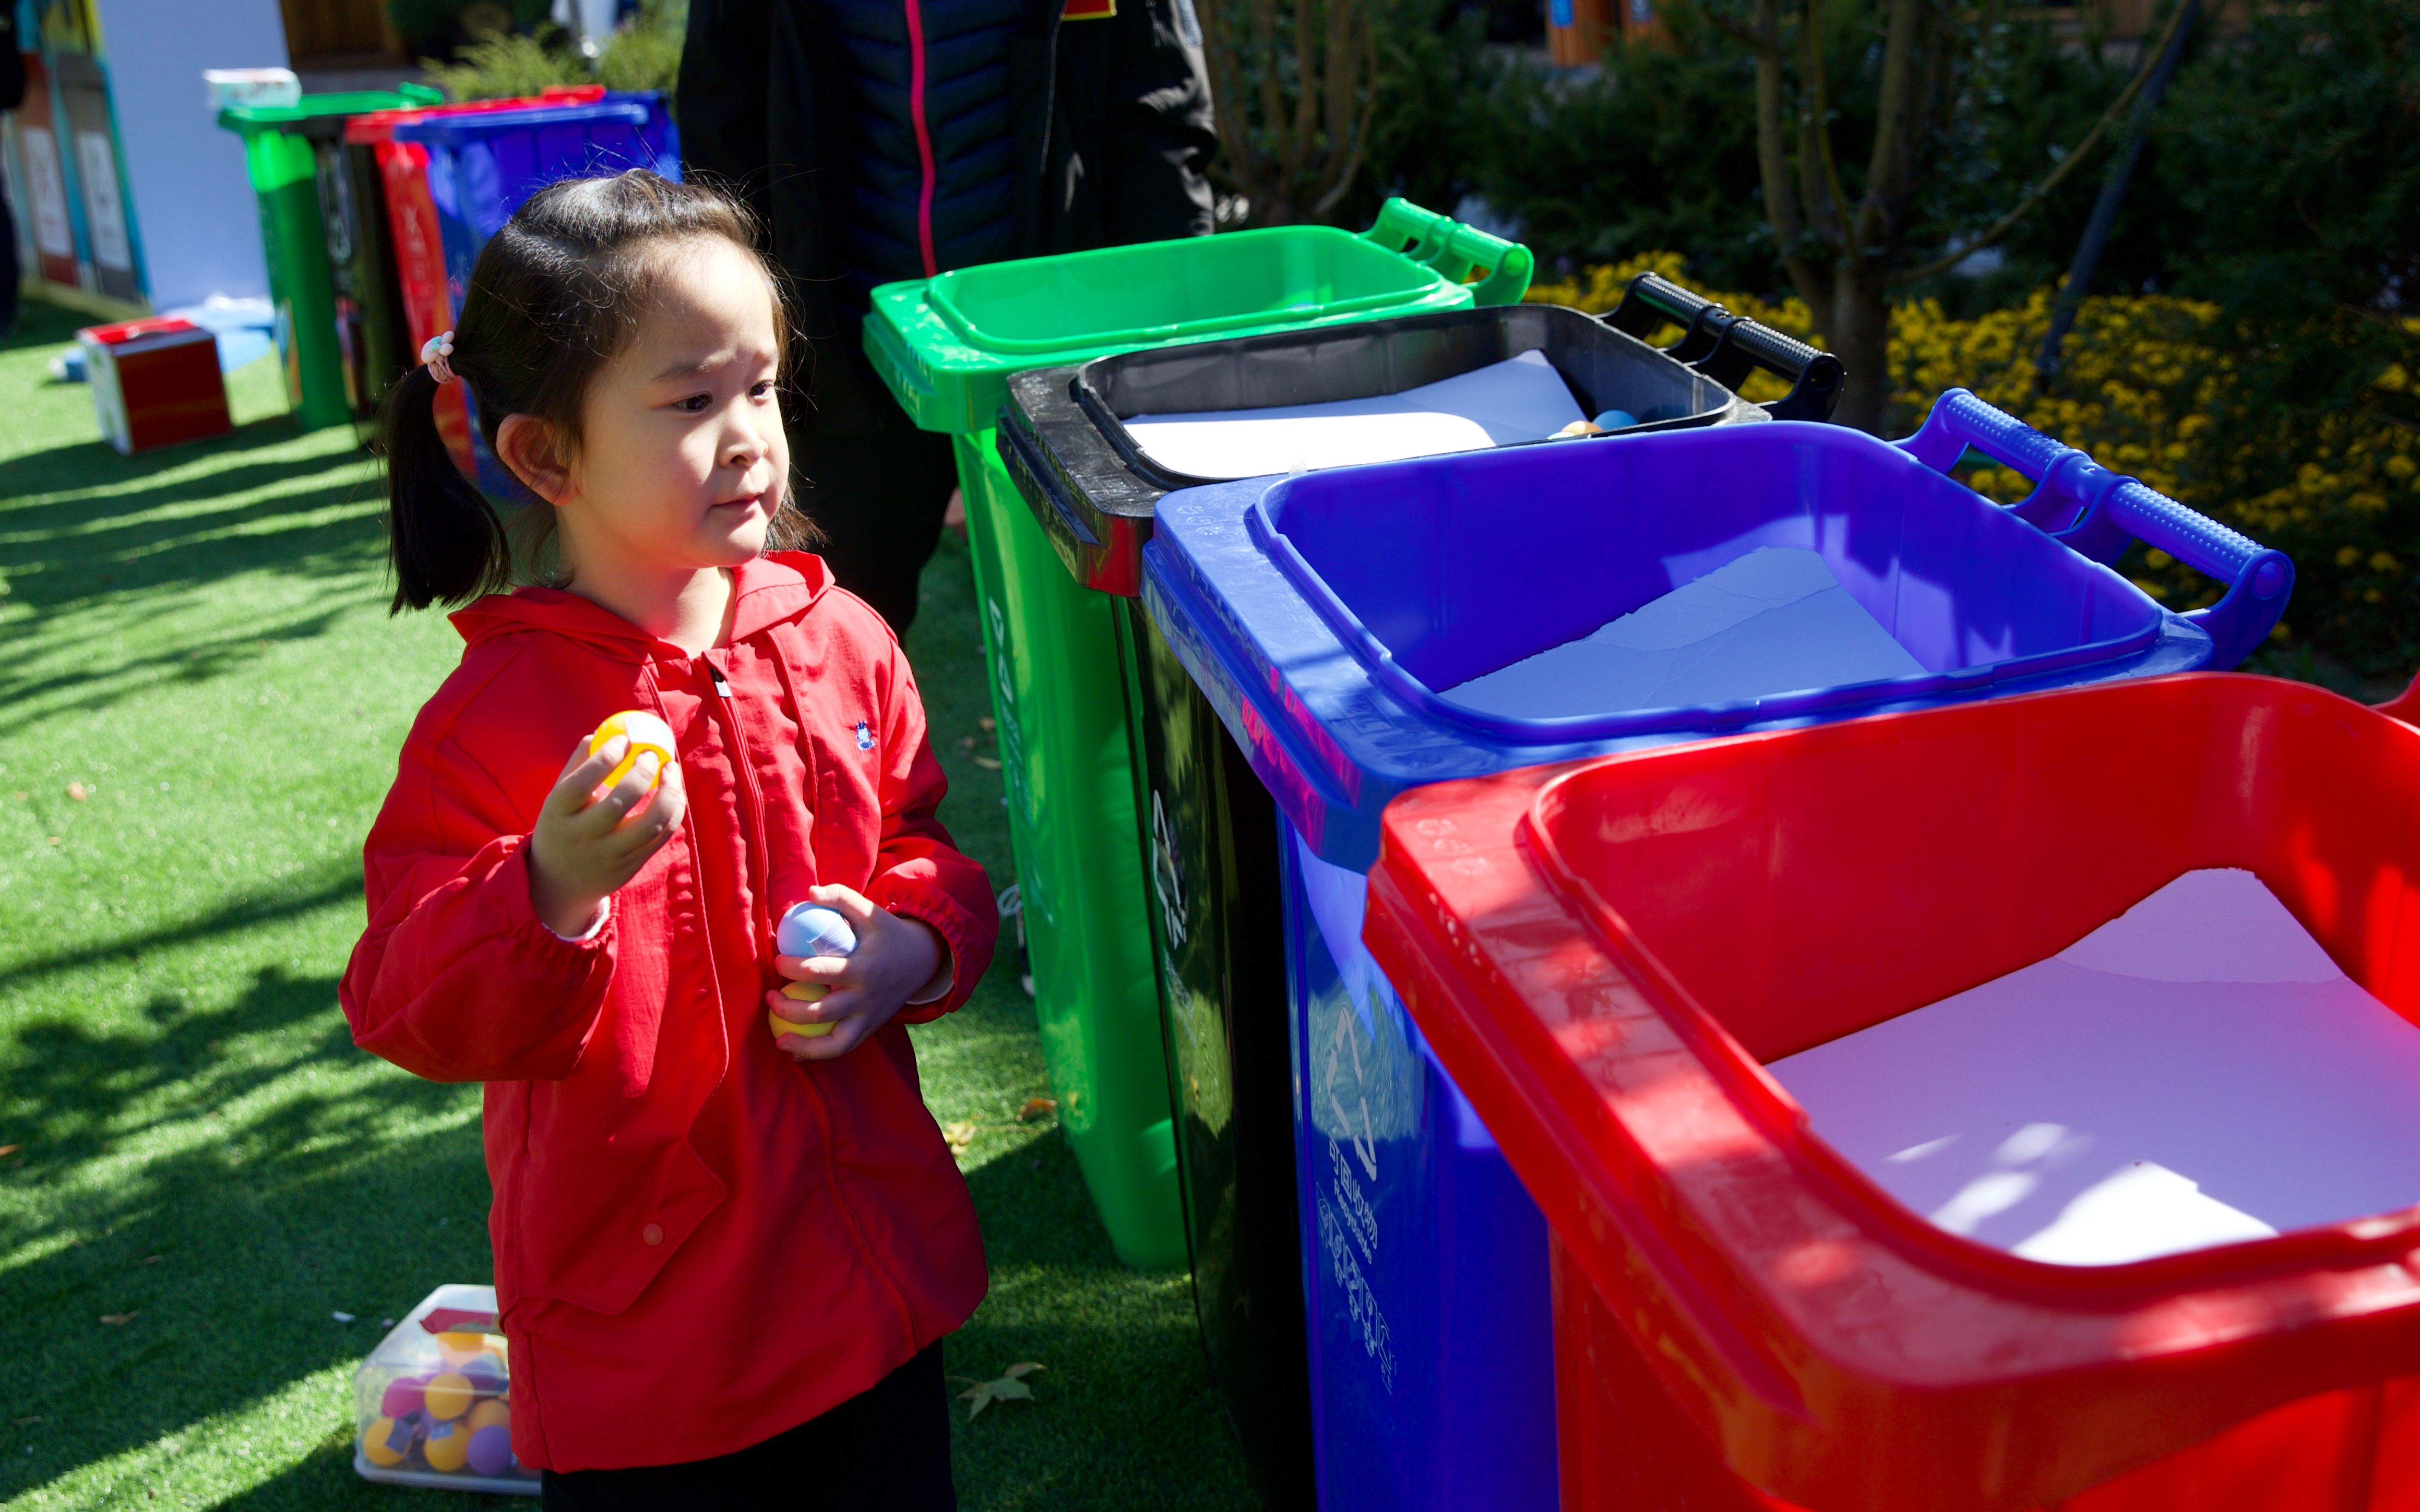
2150,389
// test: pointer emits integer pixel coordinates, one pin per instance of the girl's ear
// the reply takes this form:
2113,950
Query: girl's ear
530,448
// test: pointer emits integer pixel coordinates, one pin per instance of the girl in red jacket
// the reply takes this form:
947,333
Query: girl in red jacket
724,1258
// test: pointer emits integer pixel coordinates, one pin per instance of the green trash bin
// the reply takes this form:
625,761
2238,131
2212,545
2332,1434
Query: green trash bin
279,154
1061,677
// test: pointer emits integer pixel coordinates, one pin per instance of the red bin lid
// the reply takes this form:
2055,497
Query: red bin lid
1604,954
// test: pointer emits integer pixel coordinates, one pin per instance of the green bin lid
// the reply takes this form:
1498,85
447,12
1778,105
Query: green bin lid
946,345
249,119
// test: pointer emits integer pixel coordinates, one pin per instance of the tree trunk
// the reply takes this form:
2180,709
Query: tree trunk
1857,331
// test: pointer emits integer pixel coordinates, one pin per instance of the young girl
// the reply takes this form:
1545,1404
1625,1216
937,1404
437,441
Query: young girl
724,1258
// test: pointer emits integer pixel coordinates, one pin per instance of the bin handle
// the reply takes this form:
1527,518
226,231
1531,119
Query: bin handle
2404,705
2104,511
1726,347
1498,270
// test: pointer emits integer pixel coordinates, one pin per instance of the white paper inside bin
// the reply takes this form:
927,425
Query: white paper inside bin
1521,399
2195,1073
1773,621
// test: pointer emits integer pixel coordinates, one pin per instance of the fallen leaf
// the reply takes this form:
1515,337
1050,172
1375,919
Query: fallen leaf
77,792
960,1134
120,1319
6,1150
1010,1388
966,742
53,838
342,1317
151,1259
987,764
21,1421
21,794
1037,1107
986,724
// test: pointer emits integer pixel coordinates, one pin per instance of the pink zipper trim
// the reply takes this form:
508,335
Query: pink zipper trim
924,137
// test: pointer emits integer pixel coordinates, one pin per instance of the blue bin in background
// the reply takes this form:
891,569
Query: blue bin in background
1329,617
483,165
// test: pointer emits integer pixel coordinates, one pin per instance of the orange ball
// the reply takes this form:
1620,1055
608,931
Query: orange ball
385,1442
646,732
448,1445
490,1413
449,1395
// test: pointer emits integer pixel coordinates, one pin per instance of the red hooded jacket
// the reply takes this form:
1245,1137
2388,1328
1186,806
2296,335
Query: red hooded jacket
699,1241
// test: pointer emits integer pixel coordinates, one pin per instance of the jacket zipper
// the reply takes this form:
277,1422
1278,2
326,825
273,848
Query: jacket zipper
923,134
760,872
756,801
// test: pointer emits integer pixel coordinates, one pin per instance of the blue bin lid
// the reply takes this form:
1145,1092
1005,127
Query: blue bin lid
1324,615
483,165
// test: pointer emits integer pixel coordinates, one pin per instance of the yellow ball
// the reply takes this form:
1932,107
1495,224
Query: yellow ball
385,1442
646,732
448,1445
800,992
449,1395
490,1413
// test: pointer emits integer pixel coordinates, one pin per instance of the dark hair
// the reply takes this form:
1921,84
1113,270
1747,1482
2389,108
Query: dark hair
554,296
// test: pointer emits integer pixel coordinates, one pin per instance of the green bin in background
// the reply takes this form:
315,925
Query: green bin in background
279,156
1060,680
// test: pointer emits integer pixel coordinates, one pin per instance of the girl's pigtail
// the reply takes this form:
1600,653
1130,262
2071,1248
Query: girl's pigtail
443,539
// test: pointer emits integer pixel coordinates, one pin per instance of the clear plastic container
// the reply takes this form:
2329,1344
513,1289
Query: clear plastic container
432,1405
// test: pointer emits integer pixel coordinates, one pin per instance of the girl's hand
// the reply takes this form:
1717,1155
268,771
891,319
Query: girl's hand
586,845
896,959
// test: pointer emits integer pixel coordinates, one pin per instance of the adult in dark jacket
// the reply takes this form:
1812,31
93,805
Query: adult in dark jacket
890,139
12,94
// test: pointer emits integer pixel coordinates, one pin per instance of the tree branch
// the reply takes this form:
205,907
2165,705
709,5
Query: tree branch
1819,127
1773,155
2073,160
1894,139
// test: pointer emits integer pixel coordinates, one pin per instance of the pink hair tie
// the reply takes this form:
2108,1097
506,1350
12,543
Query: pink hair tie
434,352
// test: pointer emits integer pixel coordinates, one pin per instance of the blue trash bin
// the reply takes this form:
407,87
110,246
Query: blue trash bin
483,165
1353,630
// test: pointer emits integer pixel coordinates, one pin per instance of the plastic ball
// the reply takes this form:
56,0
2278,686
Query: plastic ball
809,929
449,1395
404,1396
491,1450
802,992
485,1372
447,1446
646,732
1617,419
1578,428
458,1345
490,1413
386,1440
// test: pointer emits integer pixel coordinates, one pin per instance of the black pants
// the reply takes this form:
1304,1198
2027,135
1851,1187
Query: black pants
874,485
885,1450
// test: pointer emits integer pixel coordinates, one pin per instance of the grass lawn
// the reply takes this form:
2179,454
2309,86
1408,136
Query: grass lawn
201,1169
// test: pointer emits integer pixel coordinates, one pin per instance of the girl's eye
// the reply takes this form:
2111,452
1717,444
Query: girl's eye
695,404
762,390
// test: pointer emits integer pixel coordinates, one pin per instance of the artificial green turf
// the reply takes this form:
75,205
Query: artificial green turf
198,639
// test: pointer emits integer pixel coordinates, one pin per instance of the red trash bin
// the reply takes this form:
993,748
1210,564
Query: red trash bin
413,231
1604,955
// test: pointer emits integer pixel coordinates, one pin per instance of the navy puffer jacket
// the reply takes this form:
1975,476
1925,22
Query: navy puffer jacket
890,139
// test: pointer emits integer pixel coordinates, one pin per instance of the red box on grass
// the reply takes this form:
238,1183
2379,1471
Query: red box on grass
1606,954
155,382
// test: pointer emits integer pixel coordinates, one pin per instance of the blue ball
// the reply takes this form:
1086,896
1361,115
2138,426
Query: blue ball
808,930
1617,419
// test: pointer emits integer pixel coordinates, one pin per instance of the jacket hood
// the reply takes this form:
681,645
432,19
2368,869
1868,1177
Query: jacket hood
770,590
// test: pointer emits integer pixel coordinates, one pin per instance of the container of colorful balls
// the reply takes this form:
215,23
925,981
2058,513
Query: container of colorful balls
433,1401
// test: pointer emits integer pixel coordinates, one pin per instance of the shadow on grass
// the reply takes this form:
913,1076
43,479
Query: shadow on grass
1124,1413
122,531
285,1188
340,882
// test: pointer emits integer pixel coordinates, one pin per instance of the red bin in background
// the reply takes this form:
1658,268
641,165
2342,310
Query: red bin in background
1604,955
